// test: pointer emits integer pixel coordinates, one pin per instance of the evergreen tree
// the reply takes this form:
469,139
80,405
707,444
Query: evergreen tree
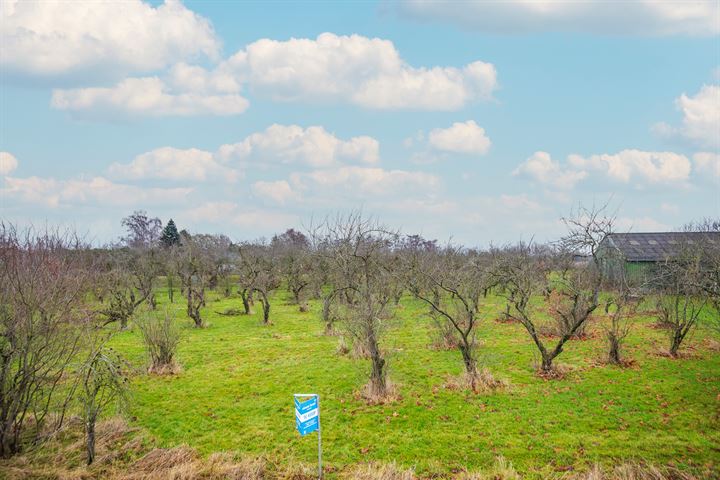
170,235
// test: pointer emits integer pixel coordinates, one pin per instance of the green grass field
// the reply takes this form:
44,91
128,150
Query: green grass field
238,377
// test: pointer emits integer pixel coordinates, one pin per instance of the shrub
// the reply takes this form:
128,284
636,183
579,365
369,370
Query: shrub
162,337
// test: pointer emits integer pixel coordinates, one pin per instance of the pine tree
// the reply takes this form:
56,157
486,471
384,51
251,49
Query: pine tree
170,235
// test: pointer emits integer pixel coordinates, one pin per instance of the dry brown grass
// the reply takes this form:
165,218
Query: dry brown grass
372,397
483,381
183,463
342,346
559,371
172,368
712,345
501,470
378,471
359,350
633,471
124,453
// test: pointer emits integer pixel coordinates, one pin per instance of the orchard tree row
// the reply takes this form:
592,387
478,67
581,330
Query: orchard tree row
61,300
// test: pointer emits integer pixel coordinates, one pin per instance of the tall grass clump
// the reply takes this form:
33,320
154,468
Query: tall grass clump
161,336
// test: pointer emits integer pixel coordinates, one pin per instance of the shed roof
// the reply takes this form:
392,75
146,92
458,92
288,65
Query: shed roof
658,246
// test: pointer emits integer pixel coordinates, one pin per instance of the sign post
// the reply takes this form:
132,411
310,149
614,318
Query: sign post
307,420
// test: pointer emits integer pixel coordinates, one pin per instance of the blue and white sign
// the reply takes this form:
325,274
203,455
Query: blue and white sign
307,420
307,415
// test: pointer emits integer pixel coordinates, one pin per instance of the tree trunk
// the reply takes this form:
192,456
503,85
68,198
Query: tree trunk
326,314
194,307
246,301
188,292
546,366
152,301
378,382
266,308
171,289
8,445
614,353
90,439
469,362
676,340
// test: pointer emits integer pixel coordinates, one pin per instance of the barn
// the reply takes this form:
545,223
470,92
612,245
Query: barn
635,256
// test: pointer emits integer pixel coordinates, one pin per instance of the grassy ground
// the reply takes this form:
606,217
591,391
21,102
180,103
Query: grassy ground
235,394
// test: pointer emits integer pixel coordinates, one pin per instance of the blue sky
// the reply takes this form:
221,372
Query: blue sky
478,121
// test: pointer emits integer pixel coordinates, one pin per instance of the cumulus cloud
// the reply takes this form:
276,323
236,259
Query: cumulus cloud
543,169
312,146
148,96
465,138
625,166
56,38
635,17
277,192
96,191
168,163
707,163
368,72
363,181
701,118
8,163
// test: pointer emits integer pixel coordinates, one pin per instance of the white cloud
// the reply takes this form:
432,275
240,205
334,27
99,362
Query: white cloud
633,17
348,69
542,168
312,146
364,71
363,181
148,96
168,163
466,138
277,192
192,78
8,163
54,38
707,163
701,118
627,165
97,191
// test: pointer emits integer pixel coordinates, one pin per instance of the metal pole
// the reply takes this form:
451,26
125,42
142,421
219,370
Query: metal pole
320,471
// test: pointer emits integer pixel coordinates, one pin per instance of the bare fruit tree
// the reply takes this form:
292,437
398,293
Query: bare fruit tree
247,272
621,308
709,248
43,323
142,231
449,283
292,250
196,266
578,286
121,298
103,384
360,250
681,297
259,269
